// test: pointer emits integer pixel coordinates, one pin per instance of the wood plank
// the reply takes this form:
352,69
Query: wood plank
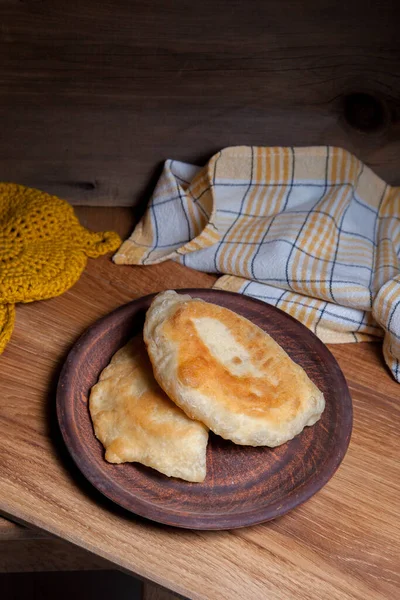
10,531
344,543
95,96
45,555
27,549
108,219
155,592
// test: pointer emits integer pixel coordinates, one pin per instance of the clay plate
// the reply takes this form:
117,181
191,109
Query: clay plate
244,485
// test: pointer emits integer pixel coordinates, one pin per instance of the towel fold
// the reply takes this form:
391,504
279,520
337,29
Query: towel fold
312,231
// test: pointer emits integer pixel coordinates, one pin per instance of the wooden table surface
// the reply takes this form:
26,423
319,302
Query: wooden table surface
343,543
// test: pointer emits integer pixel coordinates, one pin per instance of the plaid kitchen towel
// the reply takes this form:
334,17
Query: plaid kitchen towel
312,231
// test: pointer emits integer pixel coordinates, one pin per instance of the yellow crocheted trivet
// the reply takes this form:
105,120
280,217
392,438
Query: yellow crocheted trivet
7,318
43,249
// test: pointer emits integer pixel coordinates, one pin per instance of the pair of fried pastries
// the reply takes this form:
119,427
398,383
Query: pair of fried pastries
199,367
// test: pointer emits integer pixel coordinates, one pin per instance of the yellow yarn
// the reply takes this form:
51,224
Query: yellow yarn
43,249
7,318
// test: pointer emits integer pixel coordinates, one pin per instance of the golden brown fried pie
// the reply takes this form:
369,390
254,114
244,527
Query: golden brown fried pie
136,422
225,371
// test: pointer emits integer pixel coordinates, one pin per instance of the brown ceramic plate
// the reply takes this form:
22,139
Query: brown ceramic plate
244,485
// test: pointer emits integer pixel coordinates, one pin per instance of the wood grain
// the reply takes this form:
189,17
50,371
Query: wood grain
342,544
244,486
95,96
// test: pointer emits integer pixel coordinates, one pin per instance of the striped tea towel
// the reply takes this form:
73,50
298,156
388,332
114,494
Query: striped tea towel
312,231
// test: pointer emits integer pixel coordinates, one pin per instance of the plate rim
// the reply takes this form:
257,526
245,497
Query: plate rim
197,521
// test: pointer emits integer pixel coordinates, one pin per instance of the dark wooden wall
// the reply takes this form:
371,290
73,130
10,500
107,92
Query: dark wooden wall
95,94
